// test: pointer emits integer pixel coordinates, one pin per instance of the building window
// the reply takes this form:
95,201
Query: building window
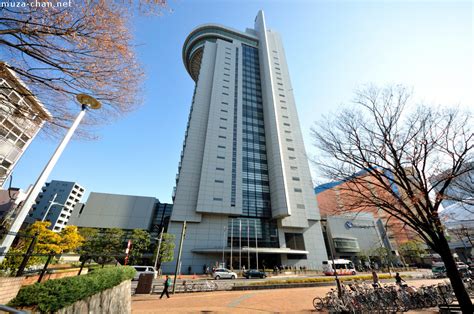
220,146
222,136
220,157
346,245
295,178
223,128
217,199
219,181
298,190
300,206
220,169
291,149
294,241
286,124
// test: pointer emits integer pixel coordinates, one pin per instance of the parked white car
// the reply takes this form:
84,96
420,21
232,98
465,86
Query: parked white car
145,270
461,265
223,273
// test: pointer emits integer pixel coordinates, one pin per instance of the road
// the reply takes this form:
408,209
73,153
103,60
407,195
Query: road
421,273
254,301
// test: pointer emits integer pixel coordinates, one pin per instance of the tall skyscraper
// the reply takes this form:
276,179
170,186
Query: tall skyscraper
56,203
244,183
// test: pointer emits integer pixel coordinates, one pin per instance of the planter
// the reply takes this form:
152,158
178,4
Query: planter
9,287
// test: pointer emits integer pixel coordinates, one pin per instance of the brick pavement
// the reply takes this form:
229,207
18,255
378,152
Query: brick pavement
254,301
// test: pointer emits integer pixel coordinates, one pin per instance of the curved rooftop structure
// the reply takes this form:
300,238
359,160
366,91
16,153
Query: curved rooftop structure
194,44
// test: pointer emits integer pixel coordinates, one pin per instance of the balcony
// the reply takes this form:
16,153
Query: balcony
9,151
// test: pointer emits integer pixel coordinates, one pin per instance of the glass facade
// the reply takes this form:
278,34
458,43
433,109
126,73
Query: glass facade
256,209
161,218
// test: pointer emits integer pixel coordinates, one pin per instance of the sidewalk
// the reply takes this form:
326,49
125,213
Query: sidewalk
257,301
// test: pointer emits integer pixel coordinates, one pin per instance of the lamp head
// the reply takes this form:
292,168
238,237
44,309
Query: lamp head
88,101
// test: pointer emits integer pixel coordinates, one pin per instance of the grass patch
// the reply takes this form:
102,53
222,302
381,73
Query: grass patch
52,295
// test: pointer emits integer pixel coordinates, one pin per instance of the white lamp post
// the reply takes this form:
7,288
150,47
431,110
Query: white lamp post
86,102
51,204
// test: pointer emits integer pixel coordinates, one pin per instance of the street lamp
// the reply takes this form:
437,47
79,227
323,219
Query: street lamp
51,204
86,102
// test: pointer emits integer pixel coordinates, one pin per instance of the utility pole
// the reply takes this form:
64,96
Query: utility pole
159,247
51,203
223,246
240,245
248,244
256,244
231,242
178,261
338,283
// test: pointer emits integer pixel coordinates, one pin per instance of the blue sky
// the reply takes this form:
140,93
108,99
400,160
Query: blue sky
332,48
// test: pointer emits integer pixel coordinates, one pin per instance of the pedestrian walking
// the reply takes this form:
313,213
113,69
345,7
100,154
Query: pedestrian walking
375,279
398,279
166,285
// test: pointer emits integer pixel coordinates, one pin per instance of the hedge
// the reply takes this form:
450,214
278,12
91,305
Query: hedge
55,294
318,279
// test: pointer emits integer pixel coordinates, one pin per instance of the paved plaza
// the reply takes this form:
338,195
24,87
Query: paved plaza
254,301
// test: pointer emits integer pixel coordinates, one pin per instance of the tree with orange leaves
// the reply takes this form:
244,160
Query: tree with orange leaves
65,48
48,242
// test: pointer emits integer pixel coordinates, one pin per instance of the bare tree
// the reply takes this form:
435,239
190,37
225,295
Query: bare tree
401,161
66,48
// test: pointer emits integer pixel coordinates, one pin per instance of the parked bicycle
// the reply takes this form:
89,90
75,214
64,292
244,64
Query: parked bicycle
356,298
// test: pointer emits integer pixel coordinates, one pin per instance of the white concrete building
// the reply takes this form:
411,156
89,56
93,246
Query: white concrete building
21,117
244,180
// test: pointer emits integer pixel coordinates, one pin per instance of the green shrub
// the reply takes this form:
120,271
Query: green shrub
53,295
318,279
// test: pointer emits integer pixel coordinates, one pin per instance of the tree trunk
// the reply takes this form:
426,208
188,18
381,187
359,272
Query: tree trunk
454,276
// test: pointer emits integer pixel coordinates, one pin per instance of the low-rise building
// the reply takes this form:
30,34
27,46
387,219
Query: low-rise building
339,198
127,212
357,237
